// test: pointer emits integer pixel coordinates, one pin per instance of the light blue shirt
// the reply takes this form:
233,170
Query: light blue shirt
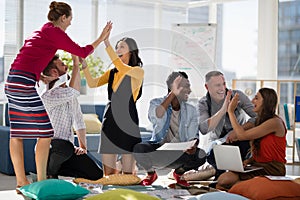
188,125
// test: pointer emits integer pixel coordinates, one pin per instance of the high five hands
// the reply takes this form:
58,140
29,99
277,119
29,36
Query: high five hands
233,103
231,107
106,31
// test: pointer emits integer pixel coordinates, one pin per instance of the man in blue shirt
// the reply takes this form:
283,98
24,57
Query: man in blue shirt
173,120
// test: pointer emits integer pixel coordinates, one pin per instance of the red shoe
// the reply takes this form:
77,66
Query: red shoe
150,178
180,180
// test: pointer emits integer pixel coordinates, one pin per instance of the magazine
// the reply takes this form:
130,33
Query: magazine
92,187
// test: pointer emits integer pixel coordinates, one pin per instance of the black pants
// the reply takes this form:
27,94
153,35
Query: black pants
64,162
244,147
149,159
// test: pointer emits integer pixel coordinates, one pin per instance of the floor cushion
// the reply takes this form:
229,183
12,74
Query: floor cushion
122,194
264,188
218,196
53,189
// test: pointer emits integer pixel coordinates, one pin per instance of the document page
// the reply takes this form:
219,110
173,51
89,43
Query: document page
177,145
279,178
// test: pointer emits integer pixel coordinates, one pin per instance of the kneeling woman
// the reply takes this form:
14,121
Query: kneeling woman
268,139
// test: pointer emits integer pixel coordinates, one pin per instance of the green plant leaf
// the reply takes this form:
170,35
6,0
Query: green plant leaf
95,64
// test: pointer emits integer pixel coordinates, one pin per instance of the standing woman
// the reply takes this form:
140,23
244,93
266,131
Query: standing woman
268,139
120,130
28,118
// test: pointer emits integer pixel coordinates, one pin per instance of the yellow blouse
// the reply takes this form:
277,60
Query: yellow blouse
136,74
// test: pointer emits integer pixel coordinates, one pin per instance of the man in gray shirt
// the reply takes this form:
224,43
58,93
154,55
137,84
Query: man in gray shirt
214,119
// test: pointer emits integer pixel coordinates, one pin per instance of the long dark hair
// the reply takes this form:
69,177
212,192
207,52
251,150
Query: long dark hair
268,111
134,60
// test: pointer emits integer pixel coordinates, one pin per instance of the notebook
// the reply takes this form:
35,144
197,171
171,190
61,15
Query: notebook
229,158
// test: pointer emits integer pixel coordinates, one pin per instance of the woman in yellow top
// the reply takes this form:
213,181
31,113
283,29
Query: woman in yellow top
120,125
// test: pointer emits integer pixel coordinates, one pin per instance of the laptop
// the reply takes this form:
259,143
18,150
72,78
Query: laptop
229,158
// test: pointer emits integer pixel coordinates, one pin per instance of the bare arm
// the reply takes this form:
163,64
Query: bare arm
75,79
107,43
232,134
81,134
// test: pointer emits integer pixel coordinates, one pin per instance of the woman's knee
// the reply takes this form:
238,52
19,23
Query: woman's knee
227,180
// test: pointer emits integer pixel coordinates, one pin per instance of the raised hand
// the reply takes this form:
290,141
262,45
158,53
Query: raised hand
175,86
83,63
226,102
106,31
233,103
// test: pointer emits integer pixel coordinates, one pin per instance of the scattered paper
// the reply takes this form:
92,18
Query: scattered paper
93,188
169,193
178,145
280,178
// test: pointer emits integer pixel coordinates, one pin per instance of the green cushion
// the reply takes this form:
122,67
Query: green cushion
55,189
122,194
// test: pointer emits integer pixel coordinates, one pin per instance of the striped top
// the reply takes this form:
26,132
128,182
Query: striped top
41,46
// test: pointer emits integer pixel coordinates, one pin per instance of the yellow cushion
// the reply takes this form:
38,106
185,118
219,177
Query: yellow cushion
122,194
92,123
114,179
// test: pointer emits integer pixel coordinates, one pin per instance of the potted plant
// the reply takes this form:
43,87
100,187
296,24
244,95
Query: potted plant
95,65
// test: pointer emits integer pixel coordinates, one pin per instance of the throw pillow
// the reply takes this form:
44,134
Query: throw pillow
53,189
114,179
92,123
264,188
122,194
